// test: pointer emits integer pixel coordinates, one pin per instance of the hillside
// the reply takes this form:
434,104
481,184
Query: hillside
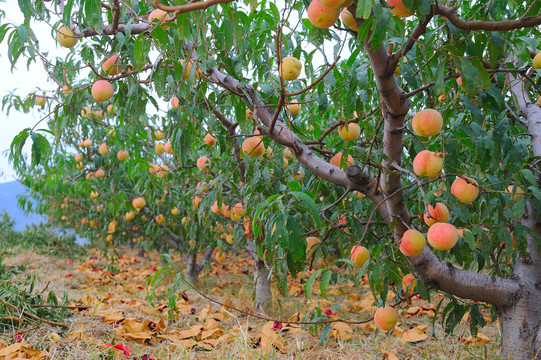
8,202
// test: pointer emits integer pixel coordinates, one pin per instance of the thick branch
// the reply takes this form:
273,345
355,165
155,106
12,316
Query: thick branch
504,25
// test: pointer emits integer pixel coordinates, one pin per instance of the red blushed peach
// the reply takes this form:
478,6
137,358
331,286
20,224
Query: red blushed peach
111,66
442,236
439,213
465,191
459,81
159,15
321,16
203,163
139,203
386,318
428,164
336,160
175,102
412,243
196,201
399,9
332,3
427,122
210,140
102,90
216,209
360,255
409,282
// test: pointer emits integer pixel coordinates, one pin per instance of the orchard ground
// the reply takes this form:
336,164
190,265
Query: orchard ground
115,289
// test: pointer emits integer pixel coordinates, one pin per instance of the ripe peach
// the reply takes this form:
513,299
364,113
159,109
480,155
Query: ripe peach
159,135
79,157
322,16
111,66
102,90
174,102
80,165
87,143
427,122
332,3
399,9
66,37
195,202
465,192
459,81
439,213
348,20
311,246
349,132
40,100
294,107
442,236
65,90
409,282
159,148
122,155
253,146
210,140
103,149
228,211
428,164
168,147
412,243
290,68
203,163
386,318
160,219
336,160
139,202
99,173
359,254
175,211
159,15
238,212
537,61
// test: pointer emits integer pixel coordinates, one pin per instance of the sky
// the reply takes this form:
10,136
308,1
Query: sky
21,81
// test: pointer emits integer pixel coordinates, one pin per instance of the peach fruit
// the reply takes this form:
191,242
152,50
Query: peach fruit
290,68
399,9
427,122
438,213
465,191
203,163
294,107
66,37
210,140
321,16
412,243
111,66
442,236
159,15
336,160
195,202
159,148
537,61
103,149
253,146
349,132
428,164
40,100
122,155
359,254
139,202
348,20
102,90
409,282
386,318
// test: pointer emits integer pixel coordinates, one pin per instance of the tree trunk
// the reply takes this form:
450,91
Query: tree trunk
263,295
520,326
191,273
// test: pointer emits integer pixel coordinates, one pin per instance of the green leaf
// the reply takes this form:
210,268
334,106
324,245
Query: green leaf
324,283
310,205
310,283
364,8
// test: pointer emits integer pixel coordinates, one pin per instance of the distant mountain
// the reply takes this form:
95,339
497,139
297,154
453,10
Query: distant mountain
8,202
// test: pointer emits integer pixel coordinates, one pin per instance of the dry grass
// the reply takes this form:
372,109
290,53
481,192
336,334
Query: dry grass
235,286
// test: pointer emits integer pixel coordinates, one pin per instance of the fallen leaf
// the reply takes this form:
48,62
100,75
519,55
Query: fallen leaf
479,340
415,334
341,331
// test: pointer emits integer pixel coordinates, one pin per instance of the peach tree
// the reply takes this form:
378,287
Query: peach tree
429,111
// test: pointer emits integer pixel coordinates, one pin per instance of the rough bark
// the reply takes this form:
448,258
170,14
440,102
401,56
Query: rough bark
263,295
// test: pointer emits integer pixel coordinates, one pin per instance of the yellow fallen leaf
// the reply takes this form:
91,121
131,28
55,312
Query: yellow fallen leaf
387,355
479,340
341,331
21,350
133,330
415,334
